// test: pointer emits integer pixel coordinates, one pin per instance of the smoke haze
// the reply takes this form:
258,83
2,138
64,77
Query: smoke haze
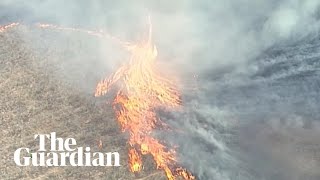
256,113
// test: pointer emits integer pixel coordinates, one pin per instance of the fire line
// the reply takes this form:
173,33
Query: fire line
6,27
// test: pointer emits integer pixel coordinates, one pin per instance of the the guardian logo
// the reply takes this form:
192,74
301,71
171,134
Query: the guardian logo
63,153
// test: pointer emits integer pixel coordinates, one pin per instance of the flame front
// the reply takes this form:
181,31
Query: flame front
142,91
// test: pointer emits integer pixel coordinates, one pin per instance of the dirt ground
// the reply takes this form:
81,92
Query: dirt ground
34,101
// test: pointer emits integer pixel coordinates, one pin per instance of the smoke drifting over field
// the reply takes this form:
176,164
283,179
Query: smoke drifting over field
256,114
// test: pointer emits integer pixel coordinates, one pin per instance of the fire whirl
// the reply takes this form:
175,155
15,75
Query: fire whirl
142,91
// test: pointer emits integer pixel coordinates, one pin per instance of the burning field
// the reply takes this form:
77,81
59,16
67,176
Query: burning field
221,90
41,103
143,90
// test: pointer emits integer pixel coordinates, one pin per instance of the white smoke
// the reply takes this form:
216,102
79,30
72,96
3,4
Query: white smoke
219,40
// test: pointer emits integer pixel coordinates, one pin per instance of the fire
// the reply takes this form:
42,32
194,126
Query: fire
142,91
135,161
5,27
99,34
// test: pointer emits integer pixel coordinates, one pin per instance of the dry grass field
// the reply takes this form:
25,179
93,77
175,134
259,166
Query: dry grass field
34,100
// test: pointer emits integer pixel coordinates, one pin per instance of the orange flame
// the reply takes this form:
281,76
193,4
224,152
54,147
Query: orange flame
142,91
135,161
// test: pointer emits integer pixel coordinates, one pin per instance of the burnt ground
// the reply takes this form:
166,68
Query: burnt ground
35,100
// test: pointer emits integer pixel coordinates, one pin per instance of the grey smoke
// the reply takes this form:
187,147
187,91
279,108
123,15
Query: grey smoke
256,114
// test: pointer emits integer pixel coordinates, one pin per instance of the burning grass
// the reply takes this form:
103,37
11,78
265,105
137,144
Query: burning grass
33,101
